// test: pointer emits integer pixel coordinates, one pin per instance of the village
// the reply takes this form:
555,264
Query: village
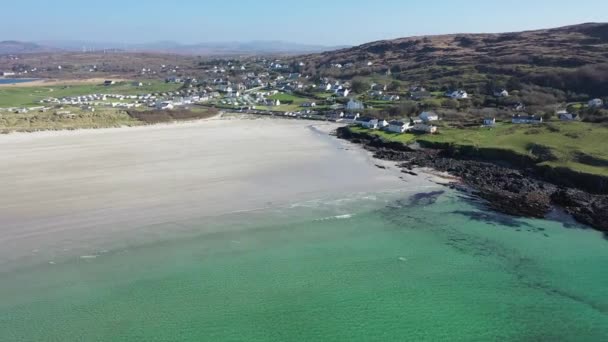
265,86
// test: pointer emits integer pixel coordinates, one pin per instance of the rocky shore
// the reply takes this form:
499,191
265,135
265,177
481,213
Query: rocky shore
505,188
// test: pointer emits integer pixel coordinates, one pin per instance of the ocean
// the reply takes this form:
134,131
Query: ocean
368,267
15,80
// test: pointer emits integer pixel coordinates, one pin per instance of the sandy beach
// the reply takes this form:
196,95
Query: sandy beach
68,188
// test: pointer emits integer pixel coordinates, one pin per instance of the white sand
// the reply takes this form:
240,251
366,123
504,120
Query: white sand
64,188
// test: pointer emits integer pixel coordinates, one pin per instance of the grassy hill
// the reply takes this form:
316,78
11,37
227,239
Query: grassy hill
571,59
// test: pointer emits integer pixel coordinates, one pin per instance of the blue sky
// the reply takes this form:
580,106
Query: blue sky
333,22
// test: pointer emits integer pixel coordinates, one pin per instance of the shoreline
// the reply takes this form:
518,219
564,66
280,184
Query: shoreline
508,189
60,82
80,189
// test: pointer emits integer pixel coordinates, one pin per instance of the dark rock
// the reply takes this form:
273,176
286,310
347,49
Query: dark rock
509,189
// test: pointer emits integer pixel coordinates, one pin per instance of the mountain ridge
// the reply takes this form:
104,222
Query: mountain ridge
167,46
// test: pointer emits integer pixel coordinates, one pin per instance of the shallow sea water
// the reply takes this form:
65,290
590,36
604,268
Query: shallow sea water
372,267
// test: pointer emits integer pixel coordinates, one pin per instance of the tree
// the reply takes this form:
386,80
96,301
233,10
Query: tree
359,86
450,103
394,86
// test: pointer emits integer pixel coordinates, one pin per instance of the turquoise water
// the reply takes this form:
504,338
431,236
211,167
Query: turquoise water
15,80
377,268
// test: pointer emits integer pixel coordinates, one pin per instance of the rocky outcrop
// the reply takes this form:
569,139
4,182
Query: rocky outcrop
510,188
584,207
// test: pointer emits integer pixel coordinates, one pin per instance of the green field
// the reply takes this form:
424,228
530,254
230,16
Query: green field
284,107
22,96
297,100
402,138
564,141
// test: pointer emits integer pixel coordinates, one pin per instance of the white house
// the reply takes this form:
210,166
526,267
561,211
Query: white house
367,122
526,119
324,87
458,94
343,92
596,103
165,105
489,121
309,104
565,116
353,105
428,116
424,128
391,98
501,93
382,123
399,126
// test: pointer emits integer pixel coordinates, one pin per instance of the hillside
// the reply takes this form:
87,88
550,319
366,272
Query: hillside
572,58
15,47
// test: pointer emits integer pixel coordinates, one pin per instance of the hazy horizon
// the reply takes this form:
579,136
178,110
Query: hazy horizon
328,24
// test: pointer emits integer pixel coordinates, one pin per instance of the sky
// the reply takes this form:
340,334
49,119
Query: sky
319,22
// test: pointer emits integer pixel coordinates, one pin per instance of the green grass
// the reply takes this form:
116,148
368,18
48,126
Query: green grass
564,140
402,138
21,96
281,108
289,97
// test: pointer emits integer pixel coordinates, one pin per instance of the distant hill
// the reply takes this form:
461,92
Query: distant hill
13,47
211,48
572,58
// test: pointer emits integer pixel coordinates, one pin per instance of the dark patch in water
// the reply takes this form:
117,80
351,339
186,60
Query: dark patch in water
524,269
493,218
425,198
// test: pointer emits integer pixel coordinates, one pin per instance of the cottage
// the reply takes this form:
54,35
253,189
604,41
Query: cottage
309,104
382,123
391,98
564,115
325,87
108,83
489,122
596,103
458,95
428,116
399,126
343,92
165,105
138,84
367,123
350,117
353,105
424,128
526,119
501,93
